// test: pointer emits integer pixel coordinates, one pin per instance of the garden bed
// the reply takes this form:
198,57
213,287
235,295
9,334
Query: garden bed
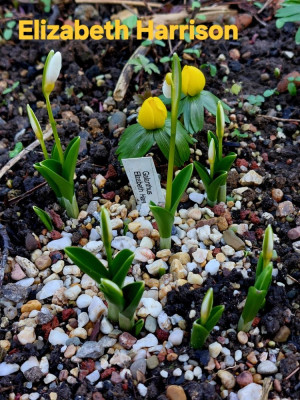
55,341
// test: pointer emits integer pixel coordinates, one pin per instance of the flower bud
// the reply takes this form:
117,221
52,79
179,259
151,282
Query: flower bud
268,244
34,123
51,71
220,121
206,306
211,152
193,81
167,86
153,114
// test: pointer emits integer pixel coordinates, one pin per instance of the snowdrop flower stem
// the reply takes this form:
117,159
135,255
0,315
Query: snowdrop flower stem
54,130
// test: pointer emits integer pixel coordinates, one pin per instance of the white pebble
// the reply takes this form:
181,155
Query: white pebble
142,389
177,372
58,336
196,197
7,369
212,267
83,301
189,375
176,337
214,349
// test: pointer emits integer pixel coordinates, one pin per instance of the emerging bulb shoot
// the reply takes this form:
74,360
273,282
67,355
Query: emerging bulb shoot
220,121
206,306
34,123
268,245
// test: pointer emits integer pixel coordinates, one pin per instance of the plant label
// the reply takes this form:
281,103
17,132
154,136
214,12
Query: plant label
143,178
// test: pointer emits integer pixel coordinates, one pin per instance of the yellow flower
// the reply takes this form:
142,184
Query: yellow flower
153,114
193,80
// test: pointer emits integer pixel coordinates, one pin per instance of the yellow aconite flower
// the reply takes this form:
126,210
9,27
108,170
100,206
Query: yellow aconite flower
193,80
153,114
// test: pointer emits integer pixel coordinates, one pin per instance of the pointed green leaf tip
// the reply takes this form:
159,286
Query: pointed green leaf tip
220,121
268,244
206,306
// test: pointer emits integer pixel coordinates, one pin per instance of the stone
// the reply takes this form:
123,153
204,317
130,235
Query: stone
83,301
72,292
152,362
156,266
58,266
252,391
242,337
231,239
196,198
175,392
200,255
294,233
212,267
120,358
90,349
184,258
30,363
143,254
138,367
28,266
251,178
93,377
58,337
93,247
277,195
96,309
148,341
267,368
214,349
17,273
285,208
49,289
176,337
33,374
282,335
150,306
150,324
31,305
78,332
123,242
43,262
27,335
100,181
117,120
142,389
195,214
105,326
227,379
8,369
195,279
14,292
244,378
60,244
127,340
203,232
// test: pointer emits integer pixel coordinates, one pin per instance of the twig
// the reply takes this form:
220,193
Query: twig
267,384
5,246
278,119
137,3
18,157
267,3
30,191
126,74
292,373
293,279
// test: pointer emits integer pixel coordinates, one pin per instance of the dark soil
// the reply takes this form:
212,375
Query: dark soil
262,48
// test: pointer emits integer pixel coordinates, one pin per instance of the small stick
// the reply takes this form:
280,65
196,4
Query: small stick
18,157
293,279
278,119
30,191
137,3
292,373
126,74
267,384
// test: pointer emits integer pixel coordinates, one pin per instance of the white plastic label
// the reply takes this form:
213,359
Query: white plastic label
143,179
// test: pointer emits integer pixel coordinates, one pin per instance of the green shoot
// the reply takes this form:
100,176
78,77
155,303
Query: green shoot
122,300
209,317
44,217
257,293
